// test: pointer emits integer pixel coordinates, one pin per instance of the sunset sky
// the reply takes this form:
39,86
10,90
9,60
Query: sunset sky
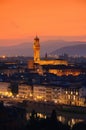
25,18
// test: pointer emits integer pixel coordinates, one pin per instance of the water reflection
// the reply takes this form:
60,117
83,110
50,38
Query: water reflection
63,119
69,121
40,115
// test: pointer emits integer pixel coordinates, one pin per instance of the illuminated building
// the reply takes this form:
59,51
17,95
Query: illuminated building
52,63
59,70
58,66
24,91
63,95
36,48
39,93
74,95
5,89
64,70
46,93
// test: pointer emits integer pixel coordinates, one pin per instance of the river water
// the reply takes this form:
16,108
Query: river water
43,111
64,119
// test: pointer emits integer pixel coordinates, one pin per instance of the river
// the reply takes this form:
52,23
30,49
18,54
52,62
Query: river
43,110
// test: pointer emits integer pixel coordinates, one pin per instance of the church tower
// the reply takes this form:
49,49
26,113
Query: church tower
36,48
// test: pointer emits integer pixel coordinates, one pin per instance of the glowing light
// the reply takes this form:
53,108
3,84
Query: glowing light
66,92
71,93
31,95
3,56
55,101
76,93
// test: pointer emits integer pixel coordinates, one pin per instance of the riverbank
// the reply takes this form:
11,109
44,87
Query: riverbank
61,109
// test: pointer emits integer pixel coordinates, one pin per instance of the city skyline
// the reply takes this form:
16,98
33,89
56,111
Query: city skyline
42,64
23,19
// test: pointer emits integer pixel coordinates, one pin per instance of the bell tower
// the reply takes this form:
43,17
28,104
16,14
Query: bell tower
36,48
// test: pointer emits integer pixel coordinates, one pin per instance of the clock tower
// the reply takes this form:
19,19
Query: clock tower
36,48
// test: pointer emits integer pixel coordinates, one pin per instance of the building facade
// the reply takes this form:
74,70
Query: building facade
24,91
49,93
75,95
5,89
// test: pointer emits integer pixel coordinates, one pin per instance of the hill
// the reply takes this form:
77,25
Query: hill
77,50
50,46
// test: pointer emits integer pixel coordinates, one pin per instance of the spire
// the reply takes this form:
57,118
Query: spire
36,38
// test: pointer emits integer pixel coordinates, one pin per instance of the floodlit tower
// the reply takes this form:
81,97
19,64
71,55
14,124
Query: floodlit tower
36,48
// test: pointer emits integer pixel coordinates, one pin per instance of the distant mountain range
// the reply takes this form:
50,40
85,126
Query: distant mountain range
51,47
77,50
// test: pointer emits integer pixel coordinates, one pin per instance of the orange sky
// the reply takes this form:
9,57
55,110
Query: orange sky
22,18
